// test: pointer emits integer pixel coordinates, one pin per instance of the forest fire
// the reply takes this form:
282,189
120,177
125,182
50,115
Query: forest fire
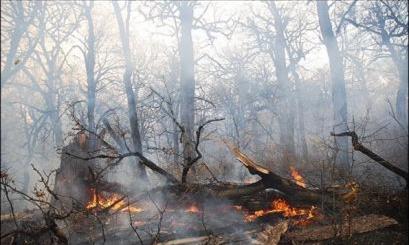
281,206
299,180
114,202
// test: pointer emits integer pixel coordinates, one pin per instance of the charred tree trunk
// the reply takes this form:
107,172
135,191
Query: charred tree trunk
339,97
72,182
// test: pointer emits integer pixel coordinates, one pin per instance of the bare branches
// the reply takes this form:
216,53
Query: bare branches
344,16
118,158
198,153
24,22
48,211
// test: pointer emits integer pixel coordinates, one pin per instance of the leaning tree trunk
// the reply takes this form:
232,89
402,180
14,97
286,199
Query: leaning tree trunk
339,97
187,80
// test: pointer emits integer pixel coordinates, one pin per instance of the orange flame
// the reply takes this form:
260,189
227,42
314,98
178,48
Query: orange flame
114,202
281,206
192,209
299,180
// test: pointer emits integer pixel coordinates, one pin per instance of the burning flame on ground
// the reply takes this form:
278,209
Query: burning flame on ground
281,206
299,180
114,202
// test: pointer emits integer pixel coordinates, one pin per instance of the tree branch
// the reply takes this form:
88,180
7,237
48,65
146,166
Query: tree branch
359,147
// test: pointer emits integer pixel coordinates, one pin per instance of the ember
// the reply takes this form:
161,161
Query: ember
114,202
299,180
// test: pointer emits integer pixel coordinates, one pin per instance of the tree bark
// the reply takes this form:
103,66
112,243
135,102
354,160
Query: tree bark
339,97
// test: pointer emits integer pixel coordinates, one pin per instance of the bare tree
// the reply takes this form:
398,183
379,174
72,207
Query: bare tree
185,20
388,22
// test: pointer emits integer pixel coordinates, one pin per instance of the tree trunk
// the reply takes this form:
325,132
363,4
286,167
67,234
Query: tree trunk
130,95
300,113
91,83
187,80
286,112
339,98
402,95
175,138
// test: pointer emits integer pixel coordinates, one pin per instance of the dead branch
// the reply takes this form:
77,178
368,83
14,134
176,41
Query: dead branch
119,157
198,153
359,147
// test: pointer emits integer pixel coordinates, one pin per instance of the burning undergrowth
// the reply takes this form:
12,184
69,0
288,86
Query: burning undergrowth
158,214
188,217
111,213
193,209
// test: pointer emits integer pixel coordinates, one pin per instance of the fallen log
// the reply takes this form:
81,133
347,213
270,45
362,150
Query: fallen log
356,225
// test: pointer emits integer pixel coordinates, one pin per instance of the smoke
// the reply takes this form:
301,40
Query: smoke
276,94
